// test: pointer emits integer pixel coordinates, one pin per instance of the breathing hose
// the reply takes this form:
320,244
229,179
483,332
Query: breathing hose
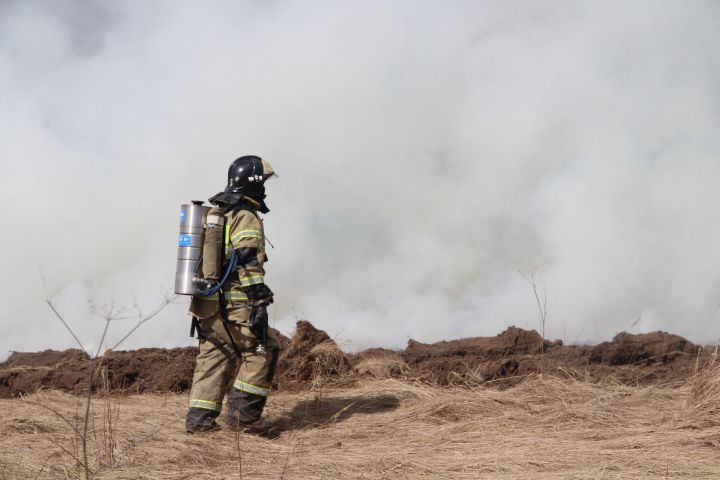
231,265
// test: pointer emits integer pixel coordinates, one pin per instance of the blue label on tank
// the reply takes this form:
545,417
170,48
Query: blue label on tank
185,241
182,214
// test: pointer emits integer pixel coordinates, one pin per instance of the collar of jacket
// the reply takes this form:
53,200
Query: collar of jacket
253,203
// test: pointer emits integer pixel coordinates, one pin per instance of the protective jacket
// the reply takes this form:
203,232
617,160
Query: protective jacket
245,234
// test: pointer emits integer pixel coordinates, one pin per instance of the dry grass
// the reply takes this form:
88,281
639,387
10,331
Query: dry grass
384,364
546,427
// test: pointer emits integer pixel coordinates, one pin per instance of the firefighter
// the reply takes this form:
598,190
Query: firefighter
233,325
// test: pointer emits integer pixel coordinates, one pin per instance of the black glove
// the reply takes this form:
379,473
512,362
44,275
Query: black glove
259,326
258,319
259,294
204,283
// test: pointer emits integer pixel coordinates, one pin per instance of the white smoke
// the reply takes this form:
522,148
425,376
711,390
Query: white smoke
427,152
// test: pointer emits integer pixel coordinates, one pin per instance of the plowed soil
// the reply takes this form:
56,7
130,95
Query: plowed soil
311,355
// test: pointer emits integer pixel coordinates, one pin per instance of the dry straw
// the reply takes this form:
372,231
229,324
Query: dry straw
545,427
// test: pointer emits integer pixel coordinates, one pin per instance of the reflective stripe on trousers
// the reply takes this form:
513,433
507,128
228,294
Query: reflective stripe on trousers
205,404
247,387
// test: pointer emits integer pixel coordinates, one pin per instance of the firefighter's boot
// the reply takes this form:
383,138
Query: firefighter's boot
201,420
244,412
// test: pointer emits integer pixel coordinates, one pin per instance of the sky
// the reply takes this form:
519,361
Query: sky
431,156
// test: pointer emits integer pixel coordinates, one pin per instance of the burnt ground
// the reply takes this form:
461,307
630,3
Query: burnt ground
310,355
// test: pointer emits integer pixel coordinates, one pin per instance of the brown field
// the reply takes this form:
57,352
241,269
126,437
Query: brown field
380,415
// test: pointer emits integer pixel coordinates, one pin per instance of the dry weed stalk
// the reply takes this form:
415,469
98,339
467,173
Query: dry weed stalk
702,406
541,301
109,313
111,414
238,449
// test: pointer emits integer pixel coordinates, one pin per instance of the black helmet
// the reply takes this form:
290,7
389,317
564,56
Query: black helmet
246,176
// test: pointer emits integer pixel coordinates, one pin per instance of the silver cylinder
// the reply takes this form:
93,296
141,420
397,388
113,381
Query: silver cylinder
190,243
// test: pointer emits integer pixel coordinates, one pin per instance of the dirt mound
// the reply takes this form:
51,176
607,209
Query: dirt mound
24,373
514,354
478,359
513,341
136,371
150,369
45,358
306,357
627,348
310,355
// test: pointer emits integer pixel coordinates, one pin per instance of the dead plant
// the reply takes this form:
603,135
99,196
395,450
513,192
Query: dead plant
532,277
702,406
108,313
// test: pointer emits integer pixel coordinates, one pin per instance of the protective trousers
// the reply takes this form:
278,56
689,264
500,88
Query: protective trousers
217,360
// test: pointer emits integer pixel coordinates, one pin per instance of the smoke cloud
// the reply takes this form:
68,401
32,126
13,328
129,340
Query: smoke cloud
427,153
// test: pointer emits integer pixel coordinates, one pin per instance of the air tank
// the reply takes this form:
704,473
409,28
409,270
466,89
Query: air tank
190,245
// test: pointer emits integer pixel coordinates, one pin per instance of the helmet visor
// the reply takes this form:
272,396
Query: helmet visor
268,170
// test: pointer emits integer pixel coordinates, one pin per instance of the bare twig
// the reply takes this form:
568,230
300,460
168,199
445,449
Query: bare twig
88,400
541,301
57,444
42,467
290,453
48,300
167,301
239,451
